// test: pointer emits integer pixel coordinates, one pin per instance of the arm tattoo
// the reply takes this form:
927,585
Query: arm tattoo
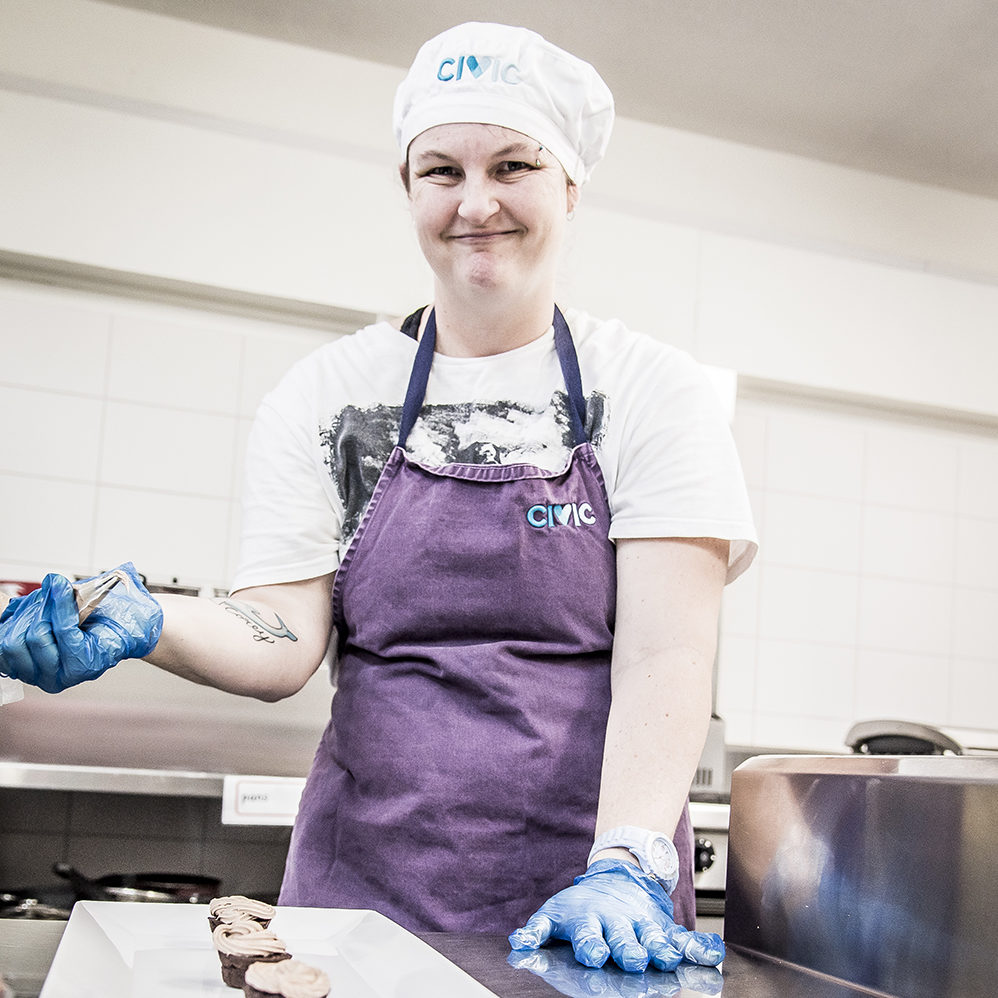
262,631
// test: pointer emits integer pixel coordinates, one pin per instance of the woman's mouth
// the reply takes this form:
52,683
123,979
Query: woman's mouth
471,237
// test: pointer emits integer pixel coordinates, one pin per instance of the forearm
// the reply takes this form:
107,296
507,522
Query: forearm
665,640
655,736
263,643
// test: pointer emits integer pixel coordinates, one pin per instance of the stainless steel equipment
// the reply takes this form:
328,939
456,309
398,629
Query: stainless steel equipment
877,870
890,737
894,737
709,813
710,834
711,781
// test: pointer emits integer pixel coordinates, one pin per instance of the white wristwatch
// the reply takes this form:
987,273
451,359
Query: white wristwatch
654,851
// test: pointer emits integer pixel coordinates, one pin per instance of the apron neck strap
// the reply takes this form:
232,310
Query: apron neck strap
567,358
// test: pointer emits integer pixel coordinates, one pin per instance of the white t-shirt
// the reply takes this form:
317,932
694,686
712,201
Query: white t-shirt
323,435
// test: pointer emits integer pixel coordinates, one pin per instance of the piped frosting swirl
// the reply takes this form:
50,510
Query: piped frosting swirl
235,906
245,938
288,979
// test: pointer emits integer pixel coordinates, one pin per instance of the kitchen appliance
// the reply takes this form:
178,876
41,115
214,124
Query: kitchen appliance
154,887
877,870
894,737
711,781
710,855
709,795
889,737
53,902
34,903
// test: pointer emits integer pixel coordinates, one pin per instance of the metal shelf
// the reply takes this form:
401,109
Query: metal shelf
105,779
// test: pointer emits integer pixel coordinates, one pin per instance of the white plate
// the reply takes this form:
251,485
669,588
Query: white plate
112,949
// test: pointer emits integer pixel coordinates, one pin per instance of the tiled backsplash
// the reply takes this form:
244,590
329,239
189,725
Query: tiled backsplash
875,594
126,425
102,833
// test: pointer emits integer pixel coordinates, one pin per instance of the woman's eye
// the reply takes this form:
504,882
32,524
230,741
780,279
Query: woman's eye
514,166
439,171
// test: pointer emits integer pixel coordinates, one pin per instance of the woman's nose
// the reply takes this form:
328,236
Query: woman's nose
478,201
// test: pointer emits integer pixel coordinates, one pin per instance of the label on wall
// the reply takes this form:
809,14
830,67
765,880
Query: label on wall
260,800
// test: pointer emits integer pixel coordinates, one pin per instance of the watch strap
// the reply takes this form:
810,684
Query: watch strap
664,865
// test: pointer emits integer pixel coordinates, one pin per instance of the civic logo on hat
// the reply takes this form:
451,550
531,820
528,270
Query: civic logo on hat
482,67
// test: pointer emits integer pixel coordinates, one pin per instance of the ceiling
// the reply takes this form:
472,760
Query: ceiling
907,88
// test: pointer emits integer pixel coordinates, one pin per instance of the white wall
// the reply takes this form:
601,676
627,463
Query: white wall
125,424
152,146
147,144
875,593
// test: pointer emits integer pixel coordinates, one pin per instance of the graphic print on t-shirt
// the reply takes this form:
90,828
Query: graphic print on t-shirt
357,441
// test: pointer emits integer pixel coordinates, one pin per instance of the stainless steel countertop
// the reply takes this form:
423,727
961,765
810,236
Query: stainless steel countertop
27,948
744,975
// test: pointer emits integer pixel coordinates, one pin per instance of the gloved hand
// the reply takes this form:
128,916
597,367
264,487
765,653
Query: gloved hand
615,909
43,643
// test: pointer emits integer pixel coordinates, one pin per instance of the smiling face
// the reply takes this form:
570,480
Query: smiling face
488,219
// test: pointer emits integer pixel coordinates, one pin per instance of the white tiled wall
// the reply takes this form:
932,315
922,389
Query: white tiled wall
874,595
124,424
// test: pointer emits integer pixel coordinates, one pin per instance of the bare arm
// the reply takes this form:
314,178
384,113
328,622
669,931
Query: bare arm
668,601
668,597
263,642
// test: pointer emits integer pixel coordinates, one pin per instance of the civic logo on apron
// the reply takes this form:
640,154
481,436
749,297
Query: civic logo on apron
569,514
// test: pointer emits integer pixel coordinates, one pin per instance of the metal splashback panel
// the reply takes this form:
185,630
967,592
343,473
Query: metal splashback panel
881,871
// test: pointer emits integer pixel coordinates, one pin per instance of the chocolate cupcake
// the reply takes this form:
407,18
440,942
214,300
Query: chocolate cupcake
243,942
290,979
236,907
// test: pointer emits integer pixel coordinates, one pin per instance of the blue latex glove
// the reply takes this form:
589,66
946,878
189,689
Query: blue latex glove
615,909
43,643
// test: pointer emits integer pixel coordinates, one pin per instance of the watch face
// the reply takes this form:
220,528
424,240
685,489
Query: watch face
658,854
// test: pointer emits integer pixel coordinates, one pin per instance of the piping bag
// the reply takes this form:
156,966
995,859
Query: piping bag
88,597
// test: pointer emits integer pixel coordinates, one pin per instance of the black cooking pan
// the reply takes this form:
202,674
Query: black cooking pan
161,887
40,903
891,737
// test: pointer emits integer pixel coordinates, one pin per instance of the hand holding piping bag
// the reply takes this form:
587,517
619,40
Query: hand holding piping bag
61,635
10,689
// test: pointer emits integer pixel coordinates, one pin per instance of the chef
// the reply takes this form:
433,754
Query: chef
516,522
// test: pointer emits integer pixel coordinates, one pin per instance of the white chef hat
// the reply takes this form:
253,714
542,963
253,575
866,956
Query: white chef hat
502,75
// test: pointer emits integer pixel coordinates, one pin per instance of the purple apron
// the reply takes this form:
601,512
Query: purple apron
455,786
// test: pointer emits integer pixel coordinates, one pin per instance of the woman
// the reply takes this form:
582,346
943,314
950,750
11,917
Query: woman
519,523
